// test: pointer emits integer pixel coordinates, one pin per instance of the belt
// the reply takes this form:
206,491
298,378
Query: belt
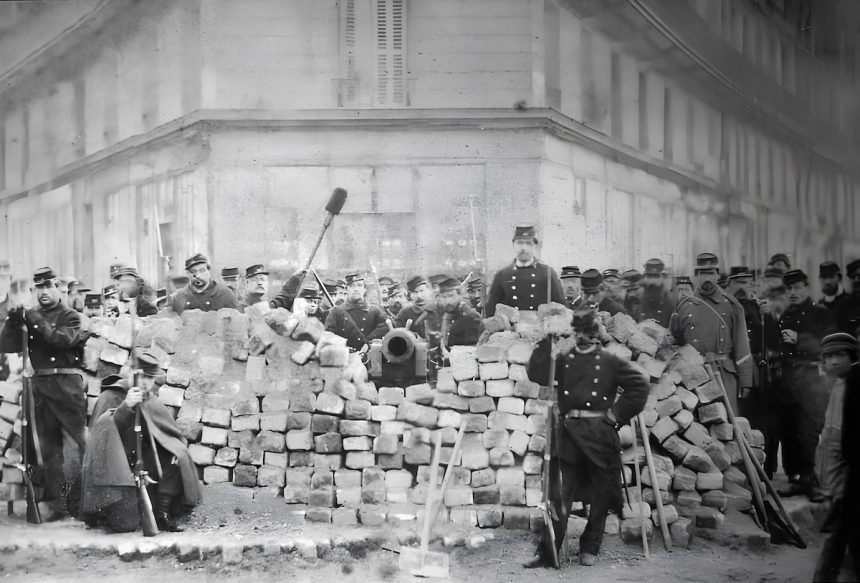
46,372
584,414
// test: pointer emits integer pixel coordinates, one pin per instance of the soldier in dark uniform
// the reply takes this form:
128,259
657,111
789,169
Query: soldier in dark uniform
741,286
682,287
135,295
256,286
774,302
713,323
613,285
830,277
111,301
396,299
109,493
421,309
202,292
230,279
848,313
311,300
804,394
656,303
632,292
459,323
780,261
594,294
5,301
356,320
475,290
571,284
597,392
523,283
59,413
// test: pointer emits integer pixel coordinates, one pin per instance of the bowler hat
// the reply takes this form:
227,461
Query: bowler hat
413,282
255,270
196,259
43,274
570,271
793,276
525,232
591,280
654,266
838,341
829,269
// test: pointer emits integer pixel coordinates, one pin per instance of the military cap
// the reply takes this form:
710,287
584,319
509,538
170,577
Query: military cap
393,290
774,271
330,285
723,280
385,281
777,257
230,273
43,274
449,284
740,272
839,341
413,282
570,271
654,266
5,268
353,277
525,232
475,283
829,269
125,270
853,268
591,280
435,279
83,288
341,284
310,290
149,364
683,280
114,381
255,270
793,276
109,291
114,268
610,273
196,259
632,276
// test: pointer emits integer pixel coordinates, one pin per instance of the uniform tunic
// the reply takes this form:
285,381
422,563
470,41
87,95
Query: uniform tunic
414,312
655,306
848,314
358,322
716,326
211,299
463,327
523,287
834,302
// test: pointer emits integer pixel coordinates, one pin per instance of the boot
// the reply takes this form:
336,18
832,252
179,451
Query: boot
163,518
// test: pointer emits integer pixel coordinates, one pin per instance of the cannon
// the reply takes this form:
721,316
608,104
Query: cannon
400,358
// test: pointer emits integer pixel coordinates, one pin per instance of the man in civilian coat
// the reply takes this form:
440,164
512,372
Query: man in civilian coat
202,292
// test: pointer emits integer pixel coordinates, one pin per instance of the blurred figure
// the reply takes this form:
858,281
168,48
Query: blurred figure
230,278
848,312
682,287
780,261
830,277
655,303
110,301
135,295
773,303
594,293
633,292
5,302
77,295
475,290
613,286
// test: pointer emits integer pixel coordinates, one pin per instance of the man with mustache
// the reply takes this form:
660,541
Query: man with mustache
355,319
256,286
713,323
59,414
655,303
523,283
571,283
202,292
830,277
804,394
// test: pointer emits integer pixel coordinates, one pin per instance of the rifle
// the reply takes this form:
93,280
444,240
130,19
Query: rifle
141,476
33,514
376,281
549,540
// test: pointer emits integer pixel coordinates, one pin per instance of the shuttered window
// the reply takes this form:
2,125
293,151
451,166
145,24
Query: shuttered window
390,52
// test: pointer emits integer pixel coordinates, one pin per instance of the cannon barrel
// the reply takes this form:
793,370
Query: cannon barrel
398,345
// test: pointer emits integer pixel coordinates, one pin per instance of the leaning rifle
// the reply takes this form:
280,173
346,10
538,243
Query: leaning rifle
141,476
26,467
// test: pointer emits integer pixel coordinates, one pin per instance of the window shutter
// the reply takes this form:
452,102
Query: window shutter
390,52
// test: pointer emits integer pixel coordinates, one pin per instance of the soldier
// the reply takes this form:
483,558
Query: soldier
804,396
109,493
656,303
594,294
830,277
848,313
230,278
59,414
597,393
5,302
682,287
111,301
308,302
77,293
421,309
613,285
396,299
571,285
780,261
632,292
459,323
774,302
340,293
741,286
135,295
202,293
523,283
256,286
355,319
475,290
713,323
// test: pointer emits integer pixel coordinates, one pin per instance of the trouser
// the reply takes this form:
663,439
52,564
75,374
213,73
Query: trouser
812,405
842,534
787,435
169,483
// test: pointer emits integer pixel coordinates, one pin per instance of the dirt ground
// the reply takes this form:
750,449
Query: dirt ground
231,515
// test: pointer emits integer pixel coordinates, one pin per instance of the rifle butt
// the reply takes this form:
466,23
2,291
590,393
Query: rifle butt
33,514
147,516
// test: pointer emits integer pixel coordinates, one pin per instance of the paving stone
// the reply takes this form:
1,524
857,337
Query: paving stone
298,420
509,476
393,428
245,475
669,407
689,500
355,427
490,517
648,496
226,457
681,532
501,387
391,396
501,457
684,419
489,353
715,499
722,431
277,459
508,421
707,517
685,479
358,409
712,413
216,417
698,460
471,388
216,474
419,415
448,418
328,443
708,392
630,530
359,459
664,429
663,479
328,461
201,455
688,398
698,435
445,382
323,423
383,413
512,405
737,497
300,439
450,401
463,366
537,443
422,394
271,476
734,475
717,452
483,477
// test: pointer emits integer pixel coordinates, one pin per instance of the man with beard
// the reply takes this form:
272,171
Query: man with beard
740,286
597,393
848,313
523,284
830,277
571,285
632,292
459,323
655,302
421,310
594,294
59,413
109,492
256,286
396,300
135,295
356,320
804,395
202,292
713,323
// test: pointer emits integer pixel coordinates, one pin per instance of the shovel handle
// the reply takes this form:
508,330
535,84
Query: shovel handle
431,498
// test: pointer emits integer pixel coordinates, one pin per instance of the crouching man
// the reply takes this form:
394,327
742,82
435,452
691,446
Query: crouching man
109,494
597,393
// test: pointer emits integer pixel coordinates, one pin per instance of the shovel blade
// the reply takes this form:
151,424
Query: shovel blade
423,563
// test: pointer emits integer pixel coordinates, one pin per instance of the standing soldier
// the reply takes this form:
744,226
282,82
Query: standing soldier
591,409
355,319
613,285
594,294
523,283
59,413
713,323
256,286
682,287
774,302
475,291
230,278
632,292
740,287
202,292
135,295
848,313
830,277
656,303
803,325
571,285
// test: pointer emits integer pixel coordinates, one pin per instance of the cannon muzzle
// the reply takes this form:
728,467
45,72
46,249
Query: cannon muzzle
398,345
